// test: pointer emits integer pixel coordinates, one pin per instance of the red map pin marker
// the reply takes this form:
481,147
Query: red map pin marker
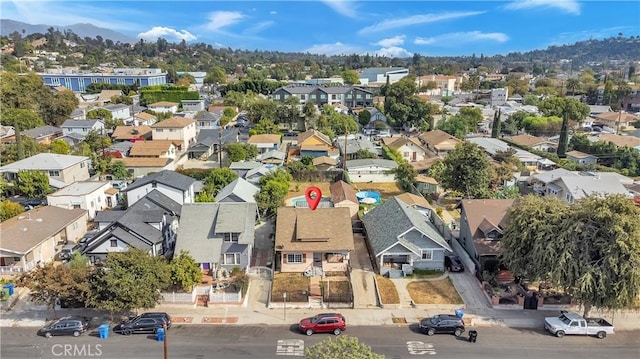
313,196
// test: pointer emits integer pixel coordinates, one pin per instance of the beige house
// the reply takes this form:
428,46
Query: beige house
581,158
439,141
313,242
343,195
615,120
142,166
409,148
31,237
265,142
620,141
144,118
164,107
534,142
153,149
62,170
179,129
131,133
324,163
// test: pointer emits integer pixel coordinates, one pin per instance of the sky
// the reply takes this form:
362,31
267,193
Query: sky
334,27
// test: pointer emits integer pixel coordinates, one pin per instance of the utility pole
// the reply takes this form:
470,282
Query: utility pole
344,155
618,122
166,350
220,147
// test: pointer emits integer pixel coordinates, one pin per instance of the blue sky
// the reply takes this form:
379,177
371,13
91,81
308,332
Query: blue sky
391,28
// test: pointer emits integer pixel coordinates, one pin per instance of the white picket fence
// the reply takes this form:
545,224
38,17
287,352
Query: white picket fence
223,297
177,297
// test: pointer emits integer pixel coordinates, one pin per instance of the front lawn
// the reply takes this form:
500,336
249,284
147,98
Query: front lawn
296,285
388,292
434,292
426,273
336,290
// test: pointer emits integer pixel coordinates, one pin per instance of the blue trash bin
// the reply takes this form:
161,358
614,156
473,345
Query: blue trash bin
10,287
103,331
459,313
160,334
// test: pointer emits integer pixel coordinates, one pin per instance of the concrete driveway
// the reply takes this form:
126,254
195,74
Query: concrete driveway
470,291
362,276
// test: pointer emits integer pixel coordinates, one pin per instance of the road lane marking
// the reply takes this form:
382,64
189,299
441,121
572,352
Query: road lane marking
419,348
290,347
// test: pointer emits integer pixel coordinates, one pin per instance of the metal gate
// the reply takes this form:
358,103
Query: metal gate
531,300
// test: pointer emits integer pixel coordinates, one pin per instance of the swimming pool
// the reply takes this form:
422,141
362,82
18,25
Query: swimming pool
368,194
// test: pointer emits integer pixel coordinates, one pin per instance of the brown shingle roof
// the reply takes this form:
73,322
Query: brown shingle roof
397,142
616,117
324,160
527,140
163,104
342,191
578,154
478,211
174,122
264,138
426,179
414,200
131,132
150,148
621,141
145,161
436,137
145,116
25,231
325,229
424,164
307,134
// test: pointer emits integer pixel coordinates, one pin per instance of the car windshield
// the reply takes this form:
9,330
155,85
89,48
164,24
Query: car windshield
565,320
435,320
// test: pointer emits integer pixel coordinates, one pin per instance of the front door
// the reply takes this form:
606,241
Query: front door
414,156
317,259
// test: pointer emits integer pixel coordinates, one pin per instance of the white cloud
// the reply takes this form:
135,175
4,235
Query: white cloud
259,27
273,12
392,41
570,6
344,8
166,33
393,51
337,48
220,19
416,20
455,38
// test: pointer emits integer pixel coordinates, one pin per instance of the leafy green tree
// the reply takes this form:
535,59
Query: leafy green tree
217,179
405,175
403,107
591,249
215,75
33,184
568,109
124,99
100,113
364,117
96,141
295,167
23,118
542,126
236,152
204,197
186,80
9,209
342,347
118,170
364,154
350,77
461,124
111,124
495,129
129,280
274,186
60,147
264,127
185,272
466,170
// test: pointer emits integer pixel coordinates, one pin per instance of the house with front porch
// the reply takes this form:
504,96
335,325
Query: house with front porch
313,242
400,236
218,235
31,238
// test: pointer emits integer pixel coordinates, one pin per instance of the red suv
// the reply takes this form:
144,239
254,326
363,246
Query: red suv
323,323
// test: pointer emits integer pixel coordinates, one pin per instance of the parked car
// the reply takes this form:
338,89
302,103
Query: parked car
139,324
334,323
442,323
453,263
66,326
166,318
575,324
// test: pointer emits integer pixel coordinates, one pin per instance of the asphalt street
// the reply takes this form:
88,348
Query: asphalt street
230,342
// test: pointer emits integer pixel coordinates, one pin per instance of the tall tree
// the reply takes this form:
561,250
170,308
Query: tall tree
185,272
342,347
33,184
350,77
60,147
405,175
568,109
274,186
495,129
466,170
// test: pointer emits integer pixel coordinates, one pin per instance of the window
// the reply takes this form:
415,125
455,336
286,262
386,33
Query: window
230,237
81,164
294,258
114,243
172,130
54,173
158,129
313,97
154,185
303,97
427,255
232,258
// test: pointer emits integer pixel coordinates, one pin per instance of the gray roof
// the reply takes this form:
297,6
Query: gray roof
242,189
80,123
244,165
202,224
42,131
386,222
138,108
167,178
44,162
493,145
108,216
209,137
550,176
272,154
115,107
356,144
586,186
353,164
207,116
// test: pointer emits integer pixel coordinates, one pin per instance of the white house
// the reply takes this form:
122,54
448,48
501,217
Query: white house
62,170
499,96
89,195
371,170
163,107
119,111
179,188
180,129
265,142
192,105
82,127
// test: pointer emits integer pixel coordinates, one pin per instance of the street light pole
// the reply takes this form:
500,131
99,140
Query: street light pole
284,296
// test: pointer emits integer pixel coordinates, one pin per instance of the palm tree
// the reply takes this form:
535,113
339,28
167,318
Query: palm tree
573,85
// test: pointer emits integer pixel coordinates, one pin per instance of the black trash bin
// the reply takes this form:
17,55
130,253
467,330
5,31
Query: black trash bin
473,336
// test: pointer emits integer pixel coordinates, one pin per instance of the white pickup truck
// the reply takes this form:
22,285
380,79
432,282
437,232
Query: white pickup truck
574,324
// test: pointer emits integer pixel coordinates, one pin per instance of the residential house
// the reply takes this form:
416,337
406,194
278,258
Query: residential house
243,167
422,167
371,170
176,128
139,167
324,163
163,107
314,143
153,149
492,146
91,196
30,238
409,148
444,85
207,120
150,224
272,157
218,235
143,118
119,111
482,224
618,140
419,203
573,188
210,141
192,105
536,143
265,142
354,144
321,95
313,242
595,110
254,175
438,141
82,127
43,134
238,191
62,170
427,185
131,133
7,133
581,158
174,185
499,96
615,121
118,149
399,235
343,195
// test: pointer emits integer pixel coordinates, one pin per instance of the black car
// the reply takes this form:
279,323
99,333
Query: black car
453,264
442,323
139,324
66,326
166,318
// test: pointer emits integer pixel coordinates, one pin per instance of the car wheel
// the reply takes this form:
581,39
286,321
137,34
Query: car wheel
431,331
337,331
560,333
76,333
458,332
309,332
127,332
48,335
601,335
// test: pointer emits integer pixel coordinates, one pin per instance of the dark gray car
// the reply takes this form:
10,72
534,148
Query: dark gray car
66,326
442,323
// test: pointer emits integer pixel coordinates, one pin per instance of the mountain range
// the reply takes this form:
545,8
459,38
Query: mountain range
83,30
